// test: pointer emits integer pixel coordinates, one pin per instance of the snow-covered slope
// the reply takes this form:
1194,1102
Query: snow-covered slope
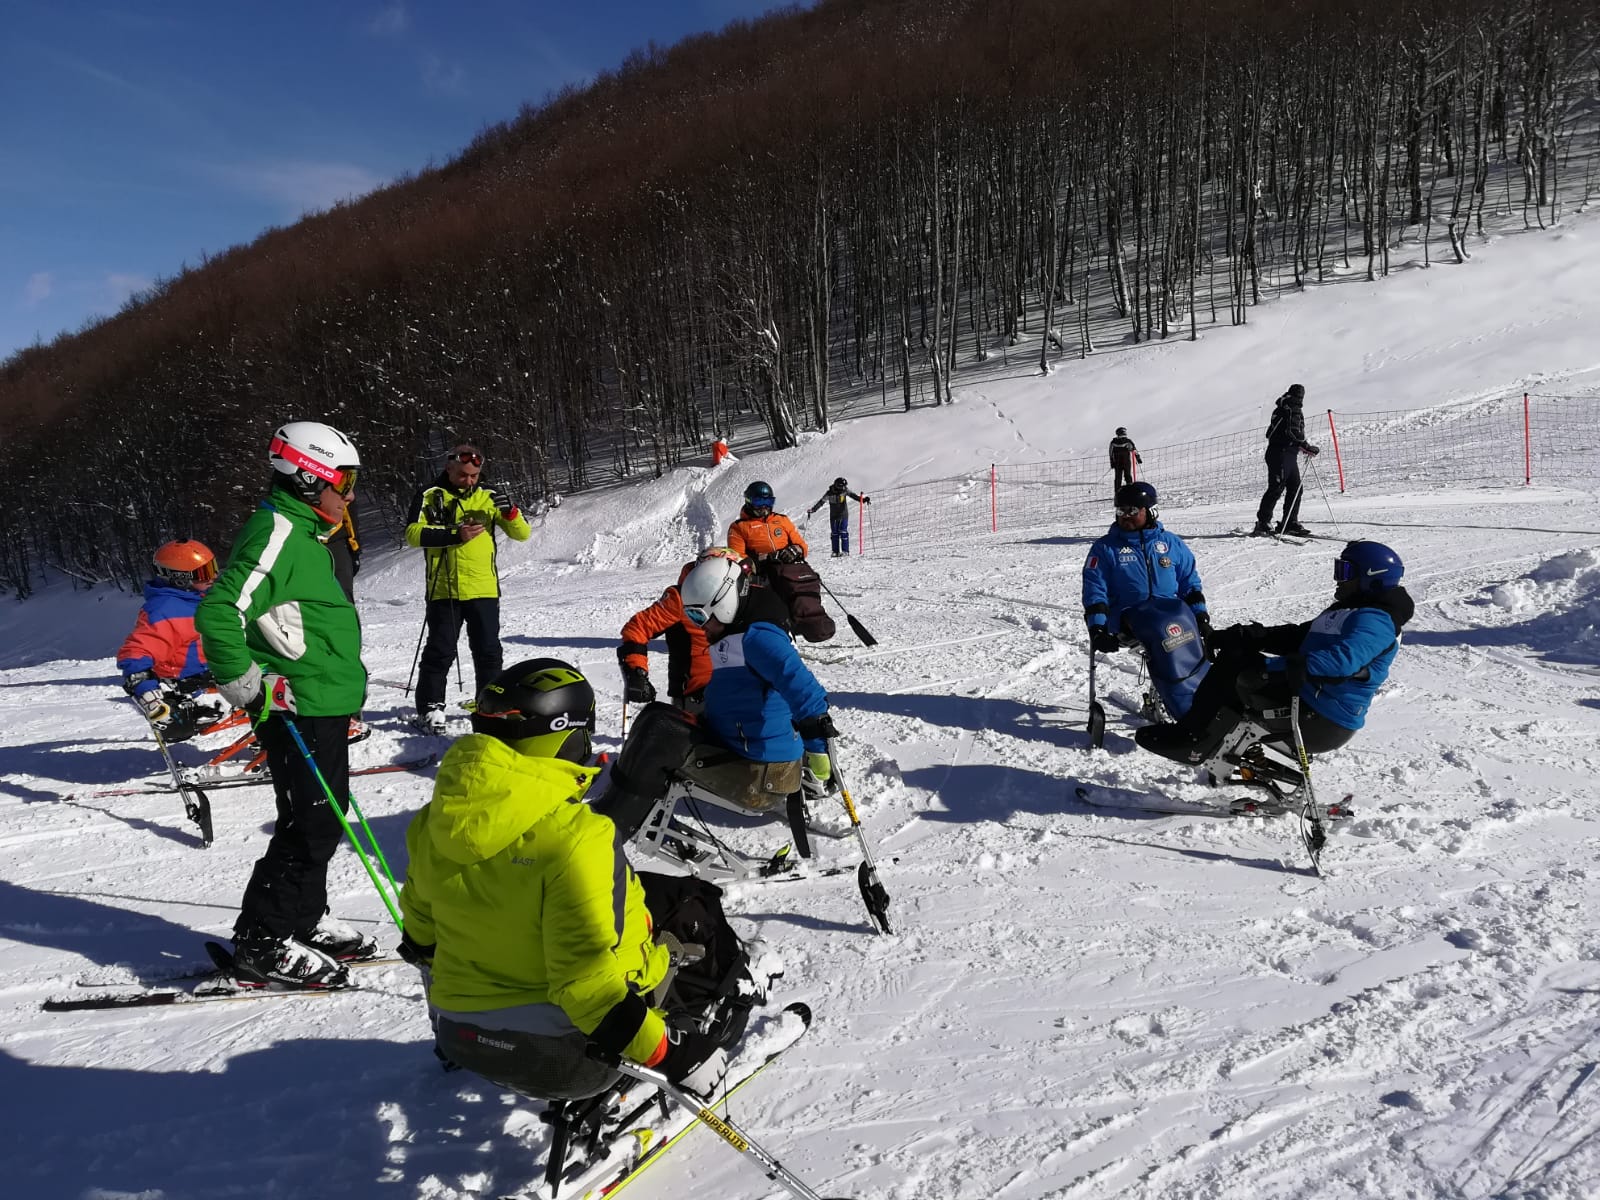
1076,1002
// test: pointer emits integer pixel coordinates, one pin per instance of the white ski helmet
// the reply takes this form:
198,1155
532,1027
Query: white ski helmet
314,456
713,589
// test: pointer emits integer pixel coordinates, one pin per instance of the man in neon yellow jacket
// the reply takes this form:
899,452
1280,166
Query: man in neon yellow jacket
532,926
455,521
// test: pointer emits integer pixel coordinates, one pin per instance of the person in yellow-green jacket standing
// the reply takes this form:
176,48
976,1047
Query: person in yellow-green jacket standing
455,521
534,934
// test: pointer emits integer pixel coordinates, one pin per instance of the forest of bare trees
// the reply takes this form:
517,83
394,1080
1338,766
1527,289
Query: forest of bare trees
857,199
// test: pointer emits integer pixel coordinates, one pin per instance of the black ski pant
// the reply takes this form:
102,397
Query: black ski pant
445,618
1283,479
1122,473
288,890
1238,683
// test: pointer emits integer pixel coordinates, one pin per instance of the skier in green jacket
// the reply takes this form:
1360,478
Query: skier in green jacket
532,927
284,643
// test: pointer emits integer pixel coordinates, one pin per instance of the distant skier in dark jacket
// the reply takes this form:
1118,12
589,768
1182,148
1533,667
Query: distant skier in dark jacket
1335,663
837,498
1286,442
1124,455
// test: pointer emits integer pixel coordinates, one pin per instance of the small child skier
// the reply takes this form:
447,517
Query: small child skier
162,665
837,498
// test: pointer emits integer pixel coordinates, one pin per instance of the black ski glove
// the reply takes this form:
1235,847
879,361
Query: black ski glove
789,554
693,1060
1208,635
1240,639
636,686
817,727
1311,450
1102,639
1294,668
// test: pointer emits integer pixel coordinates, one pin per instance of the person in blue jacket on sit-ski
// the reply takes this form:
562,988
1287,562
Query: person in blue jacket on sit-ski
1335,663
762,703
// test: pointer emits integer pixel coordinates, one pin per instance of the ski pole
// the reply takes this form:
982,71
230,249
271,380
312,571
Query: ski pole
723,1128
1097,711
1311,831
624,718
856,626
873,894
384,895
1328,504
427,595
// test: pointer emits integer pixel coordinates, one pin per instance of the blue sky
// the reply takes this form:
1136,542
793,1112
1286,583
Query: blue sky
137,138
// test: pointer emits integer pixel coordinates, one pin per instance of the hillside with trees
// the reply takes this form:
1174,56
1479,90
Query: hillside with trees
839,206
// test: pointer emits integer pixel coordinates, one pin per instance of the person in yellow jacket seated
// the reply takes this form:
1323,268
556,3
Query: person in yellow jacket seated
454,521
530,925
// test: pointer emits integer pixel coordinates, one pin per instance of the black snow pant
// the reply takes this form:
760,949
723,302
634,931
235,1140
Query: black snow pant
1283,479
1122,474
839,530
445,618
288,890
1237,684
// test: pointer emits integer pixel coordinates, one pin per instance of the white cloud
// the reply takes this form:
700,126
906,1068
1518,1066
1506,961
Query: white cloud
115,289
38,288
392,20
442,77
301,187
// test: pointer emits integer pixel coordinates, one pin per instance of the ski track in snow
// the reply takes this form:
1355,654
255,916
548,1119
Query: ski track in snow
1077,1002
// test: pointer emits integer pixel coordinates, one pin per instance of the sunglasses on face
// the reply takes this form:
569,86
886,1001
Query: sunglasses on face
467,458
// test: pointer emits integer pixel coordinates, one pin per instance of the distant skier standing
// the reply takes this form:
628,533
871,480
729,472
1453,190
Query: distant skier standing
1286,442
1124,454
837,498
454,521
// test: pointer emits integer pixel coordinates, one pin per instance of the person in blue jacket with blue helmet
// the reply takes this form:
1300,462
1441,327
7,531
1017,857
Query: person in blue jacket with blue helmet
1334,663
762,703
1136,560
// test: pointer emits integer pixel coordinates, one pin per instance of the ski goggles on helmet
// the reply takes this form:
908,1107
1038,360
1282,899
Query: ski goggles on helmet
346,483
1130,510
467,458
1345,570
696,614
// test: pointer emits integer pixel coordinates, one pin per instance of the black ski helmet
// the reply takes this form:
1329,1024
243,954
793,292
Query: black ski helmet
536,706
1122,431
1137,495
759,495
1296,392
841,484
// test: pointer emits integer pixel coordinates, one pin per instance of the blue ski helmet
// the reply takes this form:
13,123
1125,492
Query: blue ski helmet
1371,565
1137,495
759,495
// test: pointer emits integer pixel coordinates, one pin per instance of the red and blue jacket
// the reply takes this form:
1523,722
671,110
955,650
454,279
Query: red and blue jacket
163,642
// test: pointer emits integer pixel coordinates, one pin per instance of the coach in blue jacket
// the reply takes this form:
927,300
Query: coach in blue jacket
1334,663
1138,558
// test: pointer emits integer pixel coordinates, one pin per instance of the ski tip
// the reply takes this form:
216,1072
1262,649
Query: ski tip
799,1009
